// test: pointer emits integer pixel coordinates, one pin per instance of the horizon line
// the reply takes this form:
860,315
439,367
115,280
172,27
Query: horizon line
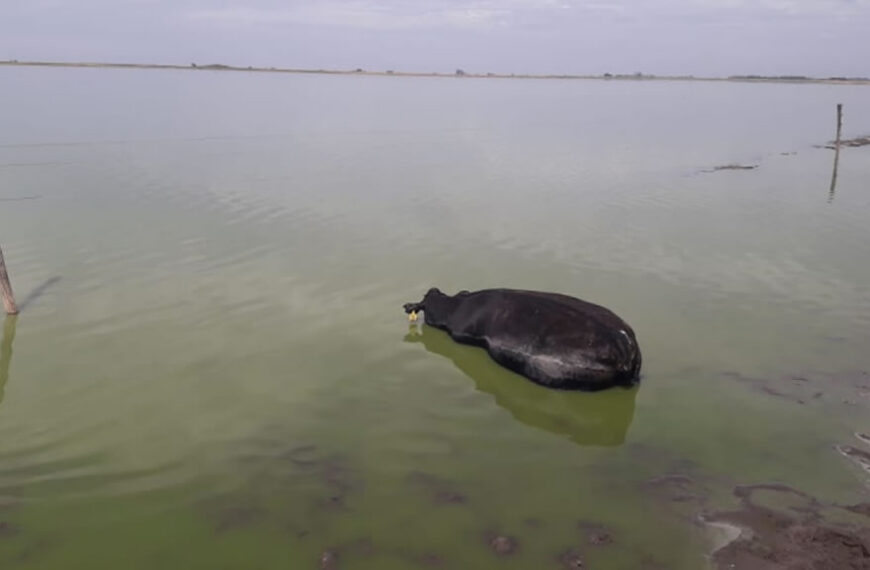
459,73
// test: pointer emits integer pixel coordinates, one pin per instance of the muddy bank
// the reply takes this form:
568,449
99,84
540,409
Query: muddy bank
773,526
859,456
722,167
796,538
852,143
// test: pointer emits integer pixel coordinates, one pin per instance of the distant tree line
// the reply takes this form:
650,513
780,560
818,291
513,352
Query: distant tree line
635,75
795,78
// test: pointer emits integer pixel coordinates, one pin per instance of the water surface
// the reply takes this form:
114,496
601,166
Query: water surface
212,368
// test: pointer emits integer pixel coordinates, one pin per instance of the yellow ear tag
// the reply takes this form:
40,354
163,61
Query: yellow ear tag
412,316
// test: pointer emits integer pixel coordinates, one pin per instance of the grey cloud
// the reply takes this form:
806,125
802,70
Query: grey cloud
358,15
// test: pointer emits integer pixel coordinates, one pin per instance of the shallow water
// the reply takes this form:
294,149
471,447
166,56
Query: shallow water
212,368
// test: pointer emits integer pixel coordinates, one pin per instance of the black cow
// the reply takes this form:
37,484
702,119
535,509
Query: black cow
554,340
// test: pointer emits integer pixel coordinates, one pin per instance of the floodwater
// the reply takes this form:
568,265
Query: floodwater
212,368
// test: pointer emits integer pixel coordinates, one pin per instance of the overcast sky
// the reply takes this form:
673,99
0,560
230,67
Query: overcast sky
701,37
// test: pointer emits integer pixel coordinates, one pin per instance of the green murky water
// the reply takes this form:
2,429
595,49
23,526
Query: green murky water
212,368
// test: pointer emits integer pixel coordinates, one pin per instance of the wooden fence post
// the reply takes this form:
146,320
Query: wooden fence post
6,351
836,153
6,289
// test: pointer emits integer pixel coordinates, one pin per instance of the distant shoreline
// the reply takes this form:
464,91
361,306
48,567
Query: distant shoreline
459,74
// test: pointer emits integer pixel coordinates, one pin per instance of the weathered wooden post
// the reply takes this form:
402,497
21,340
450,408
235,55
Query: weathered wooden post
836,153
839,124
6,351
6,289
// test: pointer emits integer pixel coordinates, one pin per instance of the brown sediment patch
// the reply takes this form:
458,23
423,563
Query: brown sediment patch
425,559
722,167
852,143
302,456
647,562
359,547
600,539
35,550
851,387
331,481
340,481
232,518
329,560
277,466
772,392
662,460
441,491
746,492
277,470
859,456
501,544
232,512
679,496
571,559
337,475
332,503
355,549
772,539
785,497
860,508
675,488
430,560
8,529
780,543
779,388
596,534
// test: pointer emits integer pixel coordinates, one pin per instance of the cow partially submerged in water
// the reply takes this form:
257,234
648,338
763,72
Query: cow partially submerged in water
554,340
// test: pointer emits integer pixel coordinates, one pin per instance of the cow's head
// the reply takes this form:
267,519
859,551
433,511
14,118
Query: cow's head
431,299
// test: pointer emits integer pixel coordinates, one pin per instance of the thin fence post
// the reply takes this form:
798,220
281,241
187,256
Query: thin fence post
6,289
836,152
839,124
6,350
